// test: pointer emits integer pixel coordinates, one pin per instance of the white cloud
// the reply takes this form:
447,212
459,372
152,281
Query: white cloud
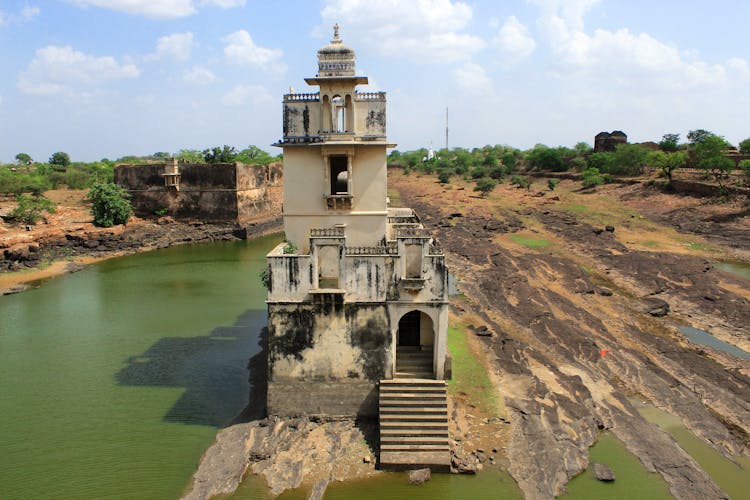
224,4
472,78
199,76
247,95
29,12
62,70
175,47
620,57
148,8
241,49
159,8
421,30
514,41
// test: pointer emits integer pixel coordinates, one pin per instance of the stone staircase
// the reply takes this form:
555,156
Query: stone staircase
413,362
414,424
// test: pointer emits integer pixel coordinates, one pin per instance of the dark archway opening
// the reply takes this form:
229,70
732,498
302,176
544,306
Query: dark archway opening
408,329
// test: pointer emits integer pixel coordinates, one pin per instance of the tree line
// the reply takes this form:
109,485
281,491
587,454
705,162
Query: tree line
490,165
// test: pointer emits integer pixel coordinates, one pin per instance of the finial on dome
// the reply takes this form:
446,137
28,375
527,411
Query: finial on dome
336,33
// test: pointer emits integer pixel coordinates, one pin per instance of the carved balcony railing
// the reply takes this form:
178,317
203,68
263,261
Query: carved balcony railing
339,202
328,232
369,96
412,232
373,250
304,96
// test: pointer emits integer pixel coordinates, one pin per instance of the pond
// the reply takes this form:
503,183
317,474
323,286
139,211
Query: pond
115,379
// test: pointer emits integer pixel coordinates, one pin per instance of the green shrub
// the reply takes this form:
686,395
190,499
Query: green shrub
485,186
552,184
497,172
161,211
444,177
76,178
29,209
478,172
592,177
110,204
520,181
290,248
265,278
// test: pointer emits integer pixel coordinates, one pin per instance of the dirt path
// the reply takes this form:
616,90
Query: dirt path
556,288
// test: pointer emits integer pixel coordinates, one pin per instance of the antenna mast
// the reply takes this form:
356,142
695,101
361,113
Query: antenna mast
446,128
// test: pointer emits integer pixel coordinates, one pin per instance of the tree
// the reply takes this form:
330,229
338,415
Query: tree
60,158
699,135
545,158
29,208
669,142
582,148
485,186
254,155
710,154
224,154
110,204
667,162
744,147
745,167
24,159
190,156
161,155
629,159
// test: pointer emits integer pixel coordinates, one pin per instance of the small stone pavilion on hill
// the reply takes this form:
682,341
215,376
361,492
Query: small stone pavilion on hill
358,295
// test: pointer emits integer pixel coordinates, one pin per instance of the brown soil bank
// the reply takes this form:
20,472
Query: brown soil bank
67,239
557,287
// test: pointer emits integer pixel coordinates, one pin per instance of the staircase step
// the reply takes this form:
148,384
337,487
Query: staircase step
439,410
413,440
412,431
395,393
415,426
415,447
411,403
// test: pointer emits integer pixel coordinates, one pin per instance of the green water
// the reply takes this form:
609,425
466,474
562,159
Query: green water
632,480
492,483
732,477
114,380
740,269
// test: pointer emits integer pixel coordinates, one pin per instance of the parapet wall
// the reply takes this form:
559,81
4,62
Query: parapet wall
222,192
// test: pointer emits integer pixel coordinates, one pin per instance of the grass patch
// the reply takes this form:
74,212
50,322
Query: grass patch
395,199
469,375
650,243
703,247
530,242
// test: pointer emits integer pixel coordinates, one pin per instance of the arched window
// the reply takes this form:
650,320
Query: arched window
339,114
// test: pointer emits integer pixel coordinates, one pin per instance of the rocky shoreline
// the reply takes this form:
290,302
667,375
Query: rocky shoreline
24,257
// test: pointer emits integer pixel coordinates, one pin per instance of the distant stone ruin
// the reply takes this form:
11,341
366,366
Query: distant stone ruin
605,142
218,192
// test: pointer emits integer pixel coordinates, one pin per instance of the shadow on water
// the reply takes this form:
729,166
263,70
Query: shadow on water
212,369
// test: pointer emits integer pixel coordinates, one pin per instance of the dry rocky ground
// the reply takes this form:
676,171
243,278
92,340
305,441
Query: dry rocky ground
553,288
556,288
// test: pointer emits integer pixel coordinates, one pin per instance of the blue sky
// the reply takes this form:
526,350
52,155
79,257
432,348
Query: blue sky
106,78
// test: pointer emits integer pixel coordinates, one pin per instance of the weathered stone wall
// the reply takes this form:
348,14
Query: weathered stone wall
371,117
326,356
224,192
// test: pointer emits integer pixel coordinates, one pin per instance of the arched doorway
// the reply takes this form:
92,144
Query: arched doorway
415,345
